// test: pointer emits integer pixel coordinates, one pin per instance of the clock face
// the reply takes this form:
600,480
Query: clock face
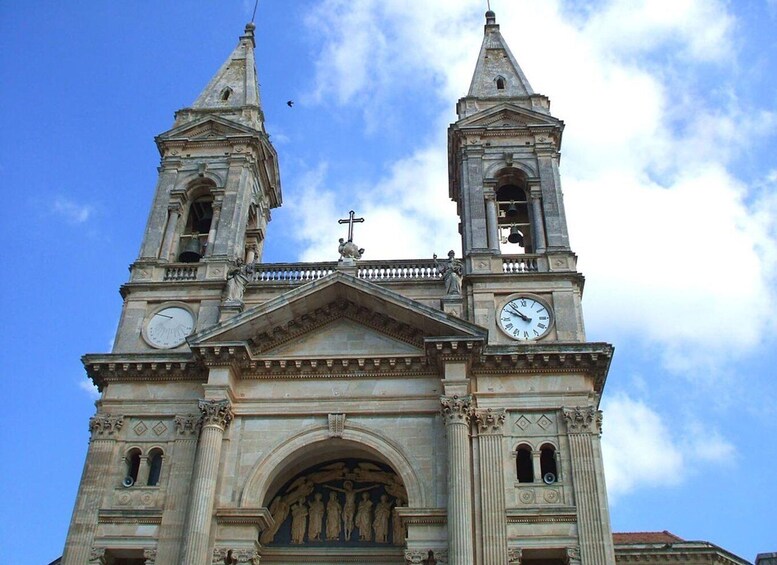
525,318
169,327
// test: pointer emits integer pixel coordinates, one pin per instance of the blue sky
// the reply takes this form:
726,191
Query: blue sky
668,170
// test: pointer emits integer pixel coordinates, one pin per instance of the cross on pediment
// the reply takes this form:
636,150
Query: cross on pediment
350,220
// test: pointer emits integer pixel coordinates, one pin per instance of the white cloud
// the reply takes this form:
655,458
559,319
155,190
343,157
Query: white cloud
641,450
88,387
72,212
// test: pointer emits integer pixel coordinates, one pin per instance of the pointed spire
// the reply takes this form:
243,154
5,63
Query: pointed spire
234,90
497,73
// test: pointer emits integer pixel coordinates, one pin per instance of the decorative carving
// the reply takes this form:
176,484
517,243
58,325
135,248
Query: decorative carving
140,428
216,413
489,421
584,419
237,279
451,271
381,523
159,428
349,250
299,521
426,557
149,554
364,518
336,425
97,556
456,409
101,425
514,555
333,513
573,556
349,508
551,496
188,425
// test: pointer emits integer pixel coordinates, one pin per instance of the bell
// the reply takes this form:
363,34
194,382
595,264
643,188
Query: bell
192,252
515,236
512,210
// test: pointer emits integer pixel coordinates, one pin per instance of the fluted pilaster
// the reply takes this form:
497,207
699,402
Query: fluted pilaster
94,480
456,413
584,427
216,417
492,493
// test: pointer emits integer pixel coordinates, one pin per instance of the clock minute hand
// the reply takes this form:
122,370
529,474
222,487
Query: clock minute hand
520,314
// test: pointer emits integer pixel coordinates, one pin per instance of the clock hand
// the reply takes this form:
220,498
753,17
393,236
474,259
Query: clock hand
520,314
165,316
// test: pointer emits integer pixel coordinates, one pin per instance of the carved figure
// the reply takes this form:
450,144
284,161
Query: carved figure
349,250
451,271
299,519
237,279
316,518
333,512
349,509
364,518
279,509
381,521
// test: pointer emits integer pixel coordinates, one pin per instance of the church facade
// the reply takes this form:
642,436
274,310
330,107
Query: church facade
416,411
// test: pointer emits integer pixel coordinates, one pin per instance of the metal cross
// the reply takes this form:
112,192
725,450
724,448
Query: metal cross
350,220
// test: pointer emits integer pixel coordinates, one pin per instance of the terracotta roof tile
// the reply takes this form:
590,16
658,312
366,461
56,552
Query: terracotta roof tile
645,537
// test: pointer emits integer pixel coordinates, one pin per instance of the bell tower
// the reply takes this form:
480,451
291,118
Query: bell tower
521,284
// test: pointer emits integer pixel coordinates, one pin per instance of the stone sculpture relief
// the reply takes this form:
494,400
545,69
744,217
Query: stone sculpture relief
451,271
237,279
361,507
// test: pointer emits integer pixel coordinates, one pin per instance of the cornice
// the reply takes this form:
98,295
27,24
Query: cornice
129,516
422,516
556,515
120,367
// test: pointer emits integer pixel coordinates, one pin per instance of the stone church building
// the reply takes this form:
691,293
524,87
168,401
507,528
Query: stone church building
357,411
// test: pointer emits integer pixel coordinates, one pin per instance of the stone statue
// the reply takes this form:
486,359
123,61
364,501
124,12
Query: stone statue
237,279
315,518
364,518
399,527
349,250
333,512
381,521
299,514
349,509
279,509
451,271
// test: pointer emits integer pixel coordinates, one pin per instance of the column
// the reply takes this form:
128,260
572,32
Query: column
216,416
98,469
143,471
174,212
456,414
587,473
536,465
492,221
538,225
489,425
214,222
181,466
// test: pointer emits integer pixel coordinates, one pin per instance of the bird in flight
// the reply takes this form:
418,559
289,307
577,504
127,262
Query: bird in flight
290,103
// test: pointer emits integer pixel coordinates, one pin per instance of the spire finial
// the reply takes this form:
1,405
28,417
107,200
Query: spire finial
490,18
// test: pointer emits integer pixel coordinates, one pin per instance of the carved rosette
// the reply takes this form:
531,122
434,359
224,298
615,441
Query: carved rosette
490,421
216,413
456,409
514,555
573,556
188,425
582,420
102,426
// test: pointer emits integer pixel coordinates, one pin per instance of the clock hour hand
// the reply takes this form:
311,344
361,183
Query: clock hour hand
520,314
165,316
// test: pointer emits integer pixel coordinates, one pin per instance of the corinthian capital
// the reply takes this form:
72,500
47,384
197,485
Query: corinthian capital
216,413
514,555
188,425
584,419
456,409
489,420
102,425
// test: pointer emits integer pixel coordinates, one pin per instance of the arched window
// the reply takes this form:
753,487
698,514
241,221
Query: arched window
132,461
195,233
225,94
154,467
500,83
524,464
514,219
548,464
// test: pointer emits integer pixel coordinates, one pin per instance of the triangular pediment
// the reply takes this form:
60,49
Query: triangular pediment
508,115
206,128
342,337
338,316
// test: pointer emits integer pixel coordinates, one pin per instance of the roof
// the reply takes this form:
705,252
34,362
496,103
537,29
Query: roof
645,537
